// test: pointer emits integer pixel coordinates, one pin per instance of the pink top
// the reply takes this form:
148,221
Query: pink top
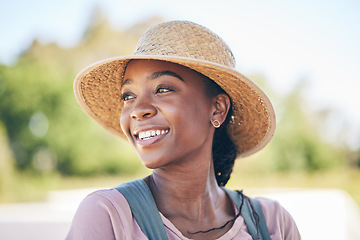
105,214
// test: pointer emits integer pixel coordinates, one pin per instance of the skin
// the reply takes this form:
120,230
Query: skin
172,99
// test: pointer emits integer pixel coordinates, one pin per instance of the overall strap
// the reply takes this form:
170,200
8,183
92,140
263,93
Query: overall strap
143,208
247,212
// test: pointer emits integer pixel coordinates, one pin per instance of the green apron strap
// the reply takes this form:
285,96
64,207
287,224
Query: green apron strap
248,215
262,222
144,209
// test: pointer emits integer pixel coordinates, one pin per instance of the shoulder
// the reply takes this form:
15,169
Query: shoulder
100,215
280,223
104,202
270,207
106,199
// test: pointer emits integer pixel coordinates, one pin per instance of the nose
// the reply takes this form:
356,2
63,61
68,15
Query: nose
143,110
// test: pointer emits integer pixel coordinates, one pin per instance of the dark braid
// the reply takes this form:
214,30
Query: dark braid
223,149
224,155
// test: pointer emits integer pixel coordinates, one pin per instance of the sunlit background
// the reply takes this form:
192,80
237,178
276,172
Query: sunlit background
304,54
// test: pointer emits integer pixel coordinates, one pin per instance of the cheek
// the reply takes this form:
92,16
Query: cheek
124,122
189,116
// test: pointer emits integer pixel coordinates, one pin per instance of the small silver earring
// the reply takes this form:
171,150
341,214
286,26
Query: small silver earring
216,123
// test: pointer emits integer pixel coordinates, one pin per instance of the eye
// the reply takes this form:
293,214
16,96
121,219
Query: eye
127,96
164,89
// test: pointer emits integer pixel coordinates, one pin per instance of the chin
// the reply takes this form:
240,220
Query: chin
152,163
149,163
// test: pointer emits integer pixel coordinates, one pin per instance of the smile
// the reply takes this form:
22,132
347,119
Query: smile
146,135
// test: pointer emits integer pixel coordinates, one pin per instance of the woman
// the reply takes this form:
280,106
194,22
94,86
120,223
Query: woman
189,115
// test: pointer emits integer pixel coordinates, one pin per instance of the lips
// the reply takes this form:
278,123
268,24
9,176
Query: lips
150,136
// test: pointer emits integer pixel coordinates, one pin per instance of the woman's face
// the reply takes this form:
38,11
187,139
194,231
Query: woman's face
167,113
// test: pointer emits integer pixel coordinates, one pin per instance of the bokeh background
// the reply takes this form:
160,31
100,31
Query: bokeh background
304,54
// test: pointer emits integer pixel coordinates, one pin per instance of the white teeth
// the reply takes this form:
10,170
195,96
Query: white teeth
151,133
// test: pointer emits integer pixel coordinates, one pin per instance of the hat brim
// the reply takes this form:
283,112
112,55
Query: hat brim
98,90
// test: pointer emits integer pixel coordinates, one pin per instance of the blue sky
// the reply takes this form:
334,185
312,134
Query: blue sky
284,40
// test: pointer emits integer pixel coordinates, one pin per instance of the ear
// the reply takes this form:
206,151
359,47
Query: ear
221,106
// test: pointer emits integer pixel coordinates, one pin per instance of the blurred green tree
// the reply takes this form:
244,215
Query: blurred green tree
297,144
45,127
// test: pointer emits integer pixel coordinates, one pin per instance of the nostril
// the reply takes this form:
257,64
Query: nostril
137,115
143,111
147,115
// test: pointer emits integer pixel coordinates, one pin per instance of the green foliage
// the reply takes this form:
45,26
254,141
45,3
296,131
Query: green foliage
297,144
46,129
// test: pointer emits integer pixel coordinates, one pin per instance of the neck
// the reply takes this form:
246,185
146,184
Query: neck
189,192
185,183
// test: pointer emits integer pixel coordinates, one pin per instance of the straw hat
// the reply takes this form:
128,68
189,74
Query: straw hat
97,87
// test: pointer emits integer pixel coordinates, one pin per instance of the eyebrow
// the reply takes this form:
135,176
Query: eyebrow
154,76
164,73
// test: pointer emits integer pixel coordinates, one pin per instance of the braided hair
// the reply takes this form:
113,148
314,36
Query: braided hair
223,148
224,155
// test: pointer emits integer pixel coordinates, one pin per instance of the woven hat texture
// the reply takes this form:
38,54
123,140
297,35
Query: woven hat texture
252,125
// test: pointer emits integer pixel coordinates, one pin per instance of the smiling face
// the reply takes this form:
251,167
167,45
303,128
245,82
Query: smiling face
167,113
